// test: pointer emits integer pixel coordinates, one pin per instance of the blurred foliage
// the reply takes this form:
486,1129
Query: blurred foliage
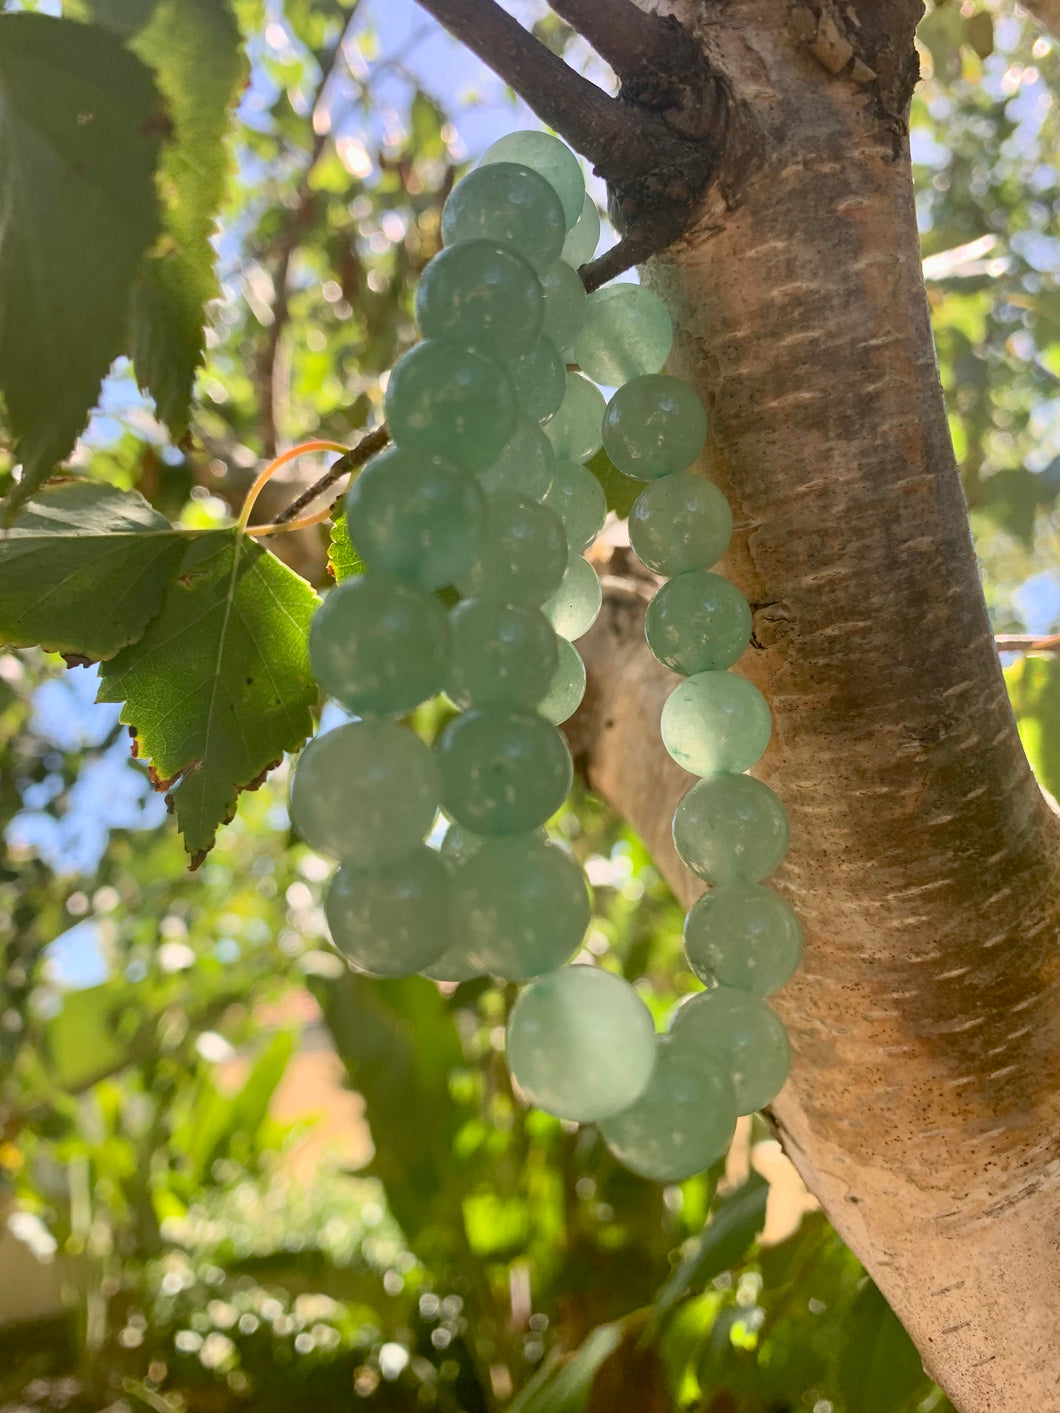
458,1253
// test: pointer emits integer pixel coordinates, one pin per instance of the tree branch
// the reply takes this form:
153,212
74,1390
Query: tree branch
642,48
353,460
1027,642
1046,12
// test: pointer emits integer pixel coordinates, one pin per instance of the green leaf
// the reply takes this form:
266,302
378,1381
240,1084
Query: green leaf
83,569
79,135
563,1385
879,1369
219,686
80,1042
124,17
1033,683
343,560
619,490
735,1222
979,32
193,46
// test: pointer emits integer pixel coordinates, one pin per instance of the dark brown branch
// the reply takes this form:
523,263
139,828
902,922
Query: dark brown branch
352,460
641,48
621,257
1027,642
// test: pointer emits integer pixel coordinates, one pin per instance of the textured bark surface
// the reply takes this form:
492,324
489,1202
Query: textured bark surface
924,1102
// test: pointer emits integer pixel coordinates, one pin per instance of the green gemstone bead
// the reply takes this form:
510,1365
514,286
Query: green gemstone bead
577,497
510,205
415,515
583,238
714,722
446,398
731,829
744,936
551,159
504,771
565,694
679,523
626,332
654,426
573,608
683,1121
526,465
393,922
482,295
523,554
698,622
379,646
574,430
540,380
740,1034
581,1044
522,907
458,846
501,652
366,792
565,303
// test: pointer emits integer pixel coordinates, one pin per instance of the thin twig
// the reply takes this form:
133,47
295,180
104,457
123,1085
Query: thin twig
1027,643
353,460
634,250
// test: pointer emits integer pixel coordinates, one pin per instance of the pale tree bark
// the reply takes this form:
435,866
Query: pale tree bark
924,1102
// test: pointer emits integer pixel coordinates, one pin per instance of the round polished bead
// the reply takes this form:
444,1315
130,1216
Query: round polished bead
582,240
679,523
507,203
501,652
741,1035
578,498
744,936
626,332
504,771
683,1121
654,426
366,792
540,380
697,622
581,1043
526,465
482,295
551,159
731,829
393,922
574,431
379,646
565,302
523,555
521,906
444,397
573,608
567,689
714,722
416,515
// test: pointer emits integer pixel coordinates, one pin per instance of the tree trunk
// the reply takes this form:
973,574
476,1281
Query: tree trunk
925,863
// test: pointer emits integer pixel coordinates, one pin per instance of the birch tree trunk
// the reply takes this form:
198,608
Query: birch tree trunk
924,1101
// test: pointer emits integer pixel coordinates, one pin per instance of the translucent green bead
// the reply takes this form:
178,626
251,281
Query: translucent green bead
683,1121
379,646
504,771
501,652
731,829
744,936
565,302
565,694
366,792
526,465
393,922
523,554
521,906
458,846
714,722
551,159
740,1034
698,622
626,332
416,515
577,497
540,380
680,522
581,1043
446,398
583,238
482,295
653,427
574,430
573,608
507,203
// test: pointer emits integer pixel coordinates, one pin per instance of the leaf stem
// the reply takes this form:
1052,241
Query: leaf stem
263,476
